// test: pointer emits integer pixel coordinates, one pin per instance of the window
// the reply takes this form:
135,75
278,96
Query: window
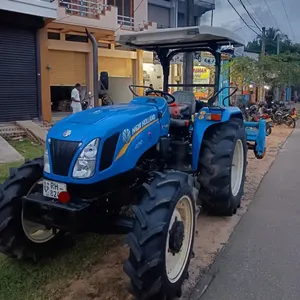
76,38
125,7
53,36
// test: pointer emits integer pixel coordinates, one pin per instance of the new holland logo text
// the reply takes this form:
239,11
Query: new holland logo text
142,124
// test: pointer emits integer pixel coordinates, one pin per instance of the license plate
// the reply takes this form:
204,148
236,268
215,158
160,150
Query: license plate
268,120
52,189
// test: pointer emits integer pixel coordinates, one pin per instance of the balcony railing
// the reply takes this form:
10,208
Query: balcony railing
85,8
130,23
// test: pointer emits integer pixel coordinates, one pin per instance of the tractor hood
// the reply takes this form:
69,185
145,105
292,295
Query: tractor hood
101,121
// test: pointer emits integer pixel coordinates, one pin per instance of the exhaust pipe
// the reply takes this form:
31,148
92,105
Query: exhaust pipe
95,67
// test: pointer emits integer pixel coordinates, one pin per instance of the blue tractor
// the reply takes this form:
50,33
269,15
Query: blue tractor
144,168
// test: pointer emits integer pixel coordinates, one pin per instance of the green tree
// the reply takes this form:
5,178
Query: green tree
286,45
243,70
276,70
281,70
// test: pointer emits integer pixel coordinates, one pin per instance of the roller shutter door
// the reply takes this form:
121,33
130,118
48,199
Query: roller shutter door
159,15
67,68
116,67
18,74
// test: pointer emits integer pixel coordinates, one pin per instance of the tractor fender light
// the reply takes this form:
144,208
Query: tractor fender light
214,117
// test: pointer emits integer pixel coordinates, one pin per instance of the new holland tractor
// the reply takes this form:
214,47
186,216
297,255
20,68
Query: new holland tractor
144,168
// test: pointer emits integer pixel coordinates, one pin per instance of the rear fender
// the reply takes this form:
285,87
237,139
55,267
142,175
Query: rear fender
201,124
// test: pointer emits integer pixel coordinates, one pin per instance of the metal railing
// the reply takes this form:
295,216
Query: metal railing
125,21
130,23
84,8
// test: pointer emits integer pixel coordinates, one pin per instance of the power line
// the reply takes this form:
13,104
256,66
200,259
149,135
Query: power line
287,17
242,17
253,20
271,14
261,21
240,28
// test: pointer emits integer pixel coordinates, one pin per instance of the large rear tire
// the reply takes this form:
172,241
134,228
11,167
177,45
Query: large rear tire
161,243
15,239
222,167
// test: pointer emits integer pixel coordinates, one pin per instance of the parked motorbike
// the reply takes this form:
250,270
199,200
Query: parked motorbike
87,102
284,115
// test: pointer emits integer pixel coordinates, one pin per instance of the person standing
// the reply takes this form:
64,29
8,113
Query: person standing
75,97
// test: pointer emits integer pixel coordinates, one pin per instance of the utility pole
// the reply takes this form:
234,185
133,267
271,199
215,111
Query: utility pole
278,43
188,62
263,52
263,41
212,18
277,37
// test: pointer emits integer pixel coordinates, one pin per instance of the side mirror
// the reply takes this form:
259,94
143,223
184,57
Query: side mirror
104,81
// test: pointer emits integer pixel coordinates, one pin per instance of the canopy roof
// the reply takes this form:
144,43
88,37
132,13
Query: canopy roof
181,37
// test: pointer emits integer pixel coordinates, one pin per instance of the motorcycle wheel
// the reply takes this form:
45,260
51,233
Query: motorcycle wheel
290,122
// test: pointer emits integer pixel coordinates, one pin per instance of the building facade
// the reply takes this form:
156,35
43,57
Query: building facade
20,22
171,13
59,54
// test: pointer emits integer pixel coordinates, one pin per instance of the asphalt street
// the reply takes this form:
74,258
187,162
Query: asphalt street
262,259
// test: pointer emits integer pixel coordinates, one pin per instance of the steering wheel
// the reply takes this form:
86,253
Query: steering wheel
213,99
162,94
132,86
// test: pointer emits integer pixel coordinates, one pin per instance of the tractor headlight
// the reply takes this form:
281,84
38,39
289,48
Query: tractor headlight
46,162
86,162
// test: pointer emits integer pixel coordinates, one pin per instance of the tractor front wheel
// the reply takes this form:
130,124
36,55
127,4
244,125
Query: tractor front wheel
161,243
222,167
20,238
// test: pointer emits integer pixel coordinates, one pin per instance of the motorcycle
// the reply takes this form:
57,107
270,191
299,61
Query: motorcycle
87,102
284,115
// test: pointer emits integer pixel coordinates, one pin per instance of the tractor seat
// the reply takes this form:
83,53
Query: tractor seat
186,99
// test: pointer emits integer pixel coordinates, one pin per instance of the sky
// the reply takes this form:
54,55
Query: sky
226,17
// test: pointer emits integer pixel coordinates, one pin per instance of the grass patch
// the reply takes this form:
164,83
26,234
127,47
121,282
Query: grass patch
21,280
28,281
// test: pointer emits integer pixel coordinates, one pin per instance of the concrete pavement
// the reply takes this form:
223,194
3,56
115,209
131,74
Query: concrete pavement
8,153
262,259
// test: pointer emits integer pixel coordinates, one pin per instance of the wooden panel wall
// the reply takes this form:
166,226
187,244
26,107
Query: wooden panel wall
67,68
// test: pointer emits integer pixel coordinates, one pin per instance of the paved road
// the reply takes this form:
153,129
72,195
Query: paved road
262,259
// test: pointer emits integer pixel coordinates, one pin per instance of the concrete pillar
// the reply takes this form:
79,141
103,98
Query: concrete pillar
138,71
174,14
45,75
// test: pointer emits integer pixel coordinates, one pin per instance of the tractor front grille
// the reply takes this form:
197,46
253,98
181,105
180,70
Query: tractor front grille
62,153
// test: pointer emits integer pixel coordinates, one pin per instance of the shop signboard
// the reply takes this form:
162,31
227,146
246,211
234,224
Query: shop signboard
203,58
201,76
